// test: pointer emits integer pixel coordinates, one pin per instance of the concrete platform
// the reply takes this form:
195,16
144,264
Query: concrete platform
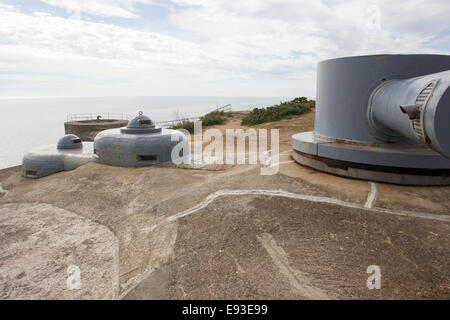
88,129
152,233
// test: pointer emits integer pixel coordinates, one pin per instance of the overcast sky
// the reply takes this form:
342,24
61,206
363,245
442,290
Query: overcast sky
200,47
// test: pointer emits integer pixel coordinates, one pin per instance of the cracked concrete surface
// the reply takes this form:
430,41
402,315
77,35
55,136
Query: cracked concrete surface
39,241
318,253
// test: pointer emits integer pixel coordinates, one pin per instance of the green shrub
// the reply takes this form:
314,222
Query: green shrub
214,118
284,110
210,119
186,125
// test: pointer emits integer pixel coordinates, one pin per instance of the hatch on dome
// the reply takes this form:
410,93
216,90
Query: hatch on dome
140,124
69,141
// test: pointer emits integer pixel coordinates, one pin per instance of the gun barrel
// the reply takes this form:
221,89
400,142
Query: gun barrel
417,109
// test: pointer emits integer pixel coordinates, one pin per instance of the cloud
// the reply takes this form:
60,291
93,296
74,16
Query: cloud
104,8
213,47
339,28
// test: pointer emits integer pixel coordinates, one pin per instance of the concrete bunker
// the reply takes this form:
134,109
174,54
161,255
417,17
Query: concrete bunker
69,153
140,144
381,118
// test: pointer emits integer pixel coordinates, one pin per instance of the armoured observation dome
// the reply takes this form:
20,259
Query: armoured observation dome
69,142
140,144
140,124
68,153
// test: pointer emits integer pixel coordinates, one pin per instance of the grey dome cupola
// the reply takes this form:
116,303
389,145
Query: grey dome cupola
140,124
140,144
67,154
69,141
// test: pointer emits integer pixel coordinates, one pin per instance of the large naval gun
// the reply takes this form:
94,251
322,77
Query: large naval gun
383,118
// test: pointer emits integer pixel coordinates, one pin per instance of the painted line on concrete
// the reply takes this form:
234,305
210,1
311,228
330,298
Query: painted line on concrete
138,281
280,163
116,280
268,151
5,192
297,279
371,196
281,193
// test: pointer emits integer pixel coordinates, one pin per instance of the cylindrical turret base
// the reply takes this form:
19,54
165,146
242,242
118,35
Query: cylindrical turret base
379,118
384,163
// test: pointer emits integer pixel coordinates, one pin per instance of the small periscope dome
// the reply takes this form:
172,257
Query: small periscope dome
140,144
69,153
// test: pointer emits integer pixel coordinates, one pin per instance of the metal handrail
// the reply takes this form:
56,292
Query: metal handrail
225,108
167,123
124,116
94,116
175,121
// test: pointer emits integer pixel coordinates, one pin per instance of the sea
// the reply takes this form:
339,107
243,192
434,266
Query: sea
29,123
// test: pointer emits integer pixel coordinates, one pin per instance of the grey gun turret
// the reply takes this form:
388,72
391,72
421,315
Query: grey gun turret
382,118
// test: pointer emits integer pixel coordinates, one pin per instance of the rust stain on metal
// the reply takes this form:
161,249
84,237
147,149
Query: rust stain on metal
381,56
373,145
346,142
